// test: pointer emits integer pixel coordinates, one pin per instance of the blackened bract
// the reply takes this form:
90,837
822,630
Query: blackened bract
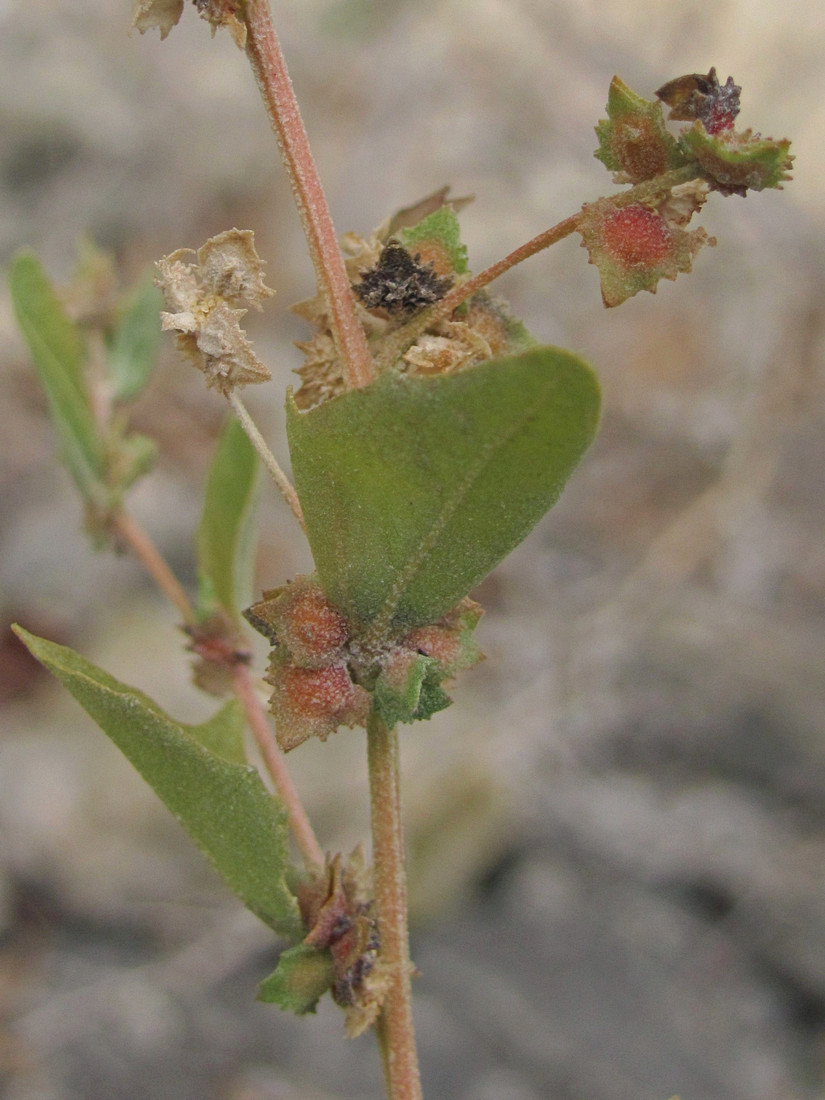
400,283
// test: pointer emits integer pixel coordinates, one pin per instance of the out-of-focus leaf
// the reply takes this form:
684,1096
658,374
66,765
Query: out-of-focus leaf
131,456
134,346
57,351
302,977
414,488
222,804
225,543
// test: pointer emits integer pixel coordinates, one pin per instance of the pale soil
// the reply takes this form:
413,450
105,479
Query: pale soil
617,835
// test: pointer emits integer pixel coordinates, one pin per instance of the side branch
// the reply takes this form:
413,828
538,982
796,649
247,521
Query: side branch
129,532
282,482
269,67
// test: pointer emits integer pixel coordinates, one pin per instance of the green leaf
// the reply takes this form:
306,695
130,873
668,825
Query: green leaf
414,488
225,543
302,977
58,354
222,804
134,347
222,734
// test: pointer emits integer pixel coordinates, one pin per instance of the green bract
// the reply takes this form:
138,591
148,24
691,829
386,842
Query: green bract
441,229
302,977
738,162
634,141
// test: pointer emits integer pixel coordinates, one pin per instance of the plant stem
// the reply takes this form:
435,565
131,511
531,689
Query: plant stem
284,485
129,531
269,67
395,1032
276,766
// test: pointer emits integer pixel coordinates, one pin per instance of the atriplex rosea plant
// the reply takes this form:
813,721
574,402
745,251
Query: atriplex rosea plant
429,434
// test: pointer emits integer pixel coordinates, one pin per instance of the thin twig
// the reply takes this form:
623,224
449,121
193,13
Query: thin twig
284,485
276,766
453,298
395,1032
269,67
130,532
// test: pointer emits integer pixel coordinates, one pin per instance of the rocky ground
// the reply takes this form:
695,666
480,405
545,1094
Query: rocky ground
617,836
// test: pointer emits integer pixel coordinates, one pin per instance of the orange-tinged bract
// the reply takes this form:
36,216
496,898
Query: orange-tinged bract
634,142
300,618
636,236
634,246
314,702
323,677
318,691
314,626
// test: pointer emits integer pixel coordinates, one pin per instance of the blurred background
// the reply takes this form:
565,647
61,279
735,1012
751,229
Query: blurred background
617,835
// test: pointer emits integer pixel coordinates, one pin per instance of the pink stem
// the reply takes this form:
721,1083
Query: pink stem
276,766
269,66
396,1032
128,530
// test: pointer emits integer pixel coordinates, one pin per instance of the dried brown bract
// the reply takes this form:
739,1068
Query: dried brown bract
203,300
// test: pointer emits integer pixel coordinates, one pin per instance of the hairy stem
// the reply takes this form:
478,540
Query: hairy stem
463,291
276,766
395,1030
284,485
269,67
